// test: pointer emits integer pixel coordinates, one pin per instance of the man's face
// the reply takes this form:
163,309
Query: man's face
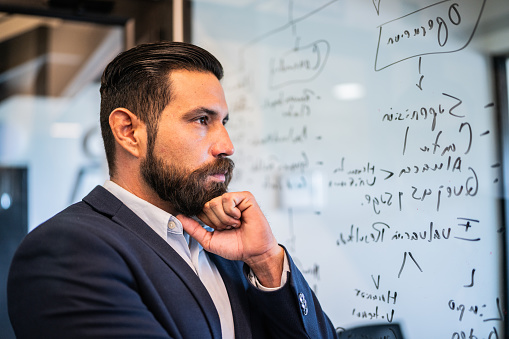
186,165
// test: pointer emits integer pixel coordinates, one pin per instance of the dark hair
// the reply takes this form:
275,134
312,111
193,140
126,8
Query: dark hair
138,79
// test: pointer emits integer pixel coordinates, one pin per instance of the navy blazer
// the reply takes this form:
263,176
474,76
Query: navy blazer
96,270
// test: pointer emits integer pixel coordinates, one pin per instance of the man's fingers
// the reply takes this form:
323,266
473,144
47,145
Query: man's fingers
209,216
230,207
222,213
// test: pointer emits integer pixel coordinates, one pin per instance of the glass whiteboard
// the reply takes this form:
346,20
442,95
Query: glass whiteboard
367,132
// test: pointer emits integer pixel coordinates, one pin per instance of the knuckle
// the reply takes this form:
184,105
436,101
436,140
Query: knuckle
212,204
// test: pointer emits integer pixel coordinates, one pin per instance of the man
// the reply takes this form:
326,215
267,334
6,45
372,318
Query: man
132,260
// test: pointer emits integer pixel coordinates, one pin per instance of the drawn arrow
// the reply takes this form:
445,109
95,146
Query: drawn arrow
377,283
419,85
404,260
377,7
390,173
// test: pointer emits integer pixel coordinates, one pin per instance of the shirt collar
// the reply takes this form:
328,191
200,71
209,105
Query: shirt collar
160,221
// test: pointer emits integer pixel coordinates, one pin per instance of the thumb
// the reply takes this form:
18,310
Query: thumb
195,230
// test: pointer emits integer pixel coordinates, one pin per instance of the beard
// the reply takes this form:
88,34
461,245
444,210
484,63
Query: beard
186,191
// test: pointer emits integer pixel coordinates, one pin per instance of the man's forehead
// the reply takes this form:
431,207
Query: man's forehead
184,80
197,93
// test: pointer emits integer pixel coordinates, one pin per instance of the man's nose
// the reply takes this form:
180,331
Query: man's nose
223,145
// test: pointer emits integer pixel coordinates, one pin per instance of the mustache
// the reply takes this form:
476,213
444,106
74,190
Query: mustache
219,166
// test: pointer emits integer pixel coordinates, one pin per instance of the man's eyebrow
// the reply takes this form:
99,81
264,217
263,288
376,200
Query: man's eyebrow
203,110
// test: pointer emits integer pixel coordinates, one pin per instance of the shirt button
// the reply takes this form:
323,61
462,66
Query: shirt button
172,225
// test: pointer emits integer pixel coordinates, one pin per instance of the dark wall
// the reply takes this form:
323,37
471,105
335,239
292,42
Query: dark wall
13,227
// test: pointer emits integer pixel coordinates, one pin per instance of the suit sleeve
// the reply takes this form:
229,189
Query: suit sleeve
62,275
293,311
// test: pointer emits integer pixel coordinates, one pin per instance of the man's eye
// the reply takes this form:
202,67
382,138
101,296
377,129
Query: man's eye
203,120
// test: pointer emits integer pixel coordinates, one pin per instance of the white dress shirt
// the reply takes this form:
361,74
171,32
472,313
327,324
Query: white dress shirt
170,229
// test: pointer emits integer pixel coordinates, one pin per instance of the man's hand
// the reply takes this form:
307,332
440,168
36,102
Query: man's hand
241,232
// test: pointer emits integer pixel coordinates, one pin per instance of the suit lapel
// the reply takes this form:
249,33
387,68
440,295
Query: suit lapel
106,203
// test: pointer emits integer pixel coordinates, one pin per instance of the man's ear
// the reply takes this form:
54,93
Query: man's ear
129,131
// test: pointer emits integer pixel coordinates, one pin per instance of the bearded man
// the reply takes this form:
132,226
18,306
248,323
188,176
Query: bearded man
134,259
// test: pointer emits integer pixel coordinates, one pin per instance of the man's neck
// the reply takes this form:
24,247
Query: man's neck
143,191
